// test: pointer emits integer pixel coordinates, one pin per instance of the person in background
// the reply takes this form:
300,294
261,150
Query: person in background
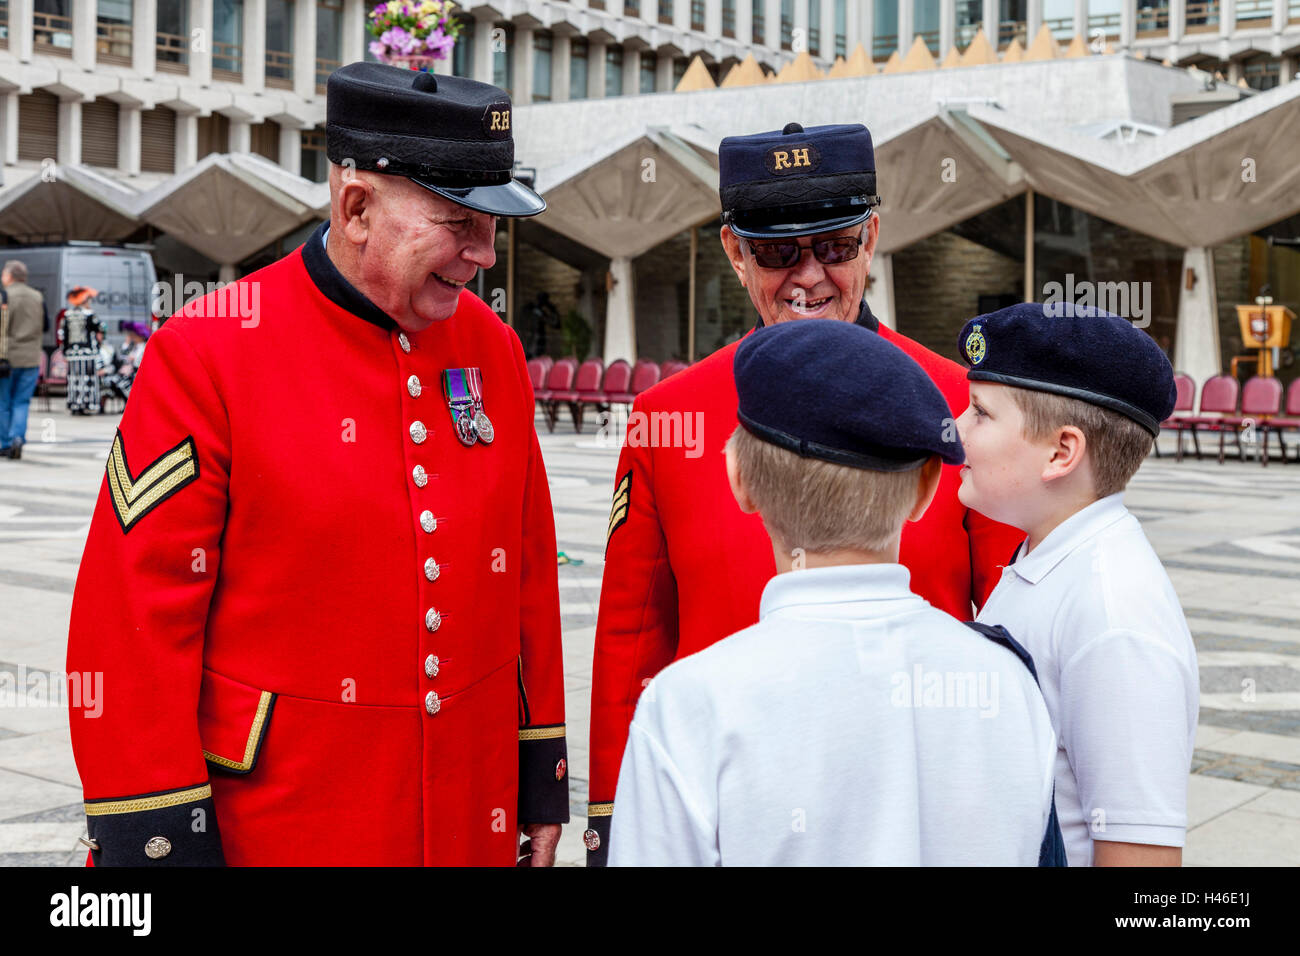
25,323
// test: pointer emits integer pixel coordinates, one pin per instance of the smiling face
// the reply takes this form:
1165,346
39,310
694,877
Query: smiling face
808,289
410,251
1003,474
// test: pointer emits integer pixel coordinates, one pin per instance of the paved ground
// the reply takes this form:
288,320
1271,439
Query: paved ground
1229,535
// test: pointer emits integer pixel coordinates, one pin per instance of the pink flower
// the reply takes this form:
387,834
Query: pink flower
439,44
378,50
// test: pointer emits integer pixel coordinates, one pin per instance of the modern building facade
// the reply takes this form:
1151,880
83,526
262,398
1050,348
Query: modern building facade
1019,142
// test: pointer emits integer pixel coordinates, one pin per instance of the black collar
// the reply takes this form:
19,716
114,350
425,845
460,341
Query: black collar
334,287
864,319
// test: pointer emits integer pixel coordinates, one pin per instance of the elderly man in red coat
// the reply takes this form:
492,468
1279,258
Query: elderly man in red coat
684,567
326,537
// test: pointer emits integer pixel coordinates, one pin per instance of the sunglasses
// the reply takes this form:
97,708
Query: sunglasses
782,254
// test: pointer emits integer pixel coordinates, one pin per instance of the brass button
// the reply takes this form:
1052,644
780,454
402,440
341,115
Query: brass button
431,569
431,666
418,432
419,476
157,848
428,522
432,619
431,703
413,386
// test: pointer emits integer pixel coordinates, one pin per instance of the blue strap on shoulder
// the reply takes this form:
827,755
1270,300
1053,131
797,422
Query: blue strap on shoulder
1052,850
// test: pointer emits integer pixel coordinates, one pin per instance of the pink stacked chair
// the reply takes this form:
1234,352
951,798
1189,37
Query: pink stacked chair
1261,399
672,367
1185,401
558,380
586,388
1289,421
537,370
1218,400
644,375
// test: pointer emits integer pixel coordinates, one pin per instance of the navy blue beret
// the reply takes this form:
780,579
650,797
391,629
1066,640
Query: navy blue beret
451,135
796,181
838,391
1081,353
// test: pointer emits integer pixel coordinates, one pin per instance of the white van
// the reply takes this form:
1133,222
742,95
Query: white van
123,276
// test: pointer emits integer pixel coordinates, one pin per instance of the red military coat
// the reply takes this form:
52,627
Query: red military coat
327,636
685,567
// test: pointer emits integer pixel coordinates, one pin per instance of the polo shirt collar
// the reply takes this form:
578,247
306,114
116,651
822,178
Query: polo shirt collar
841,584
326,277
1068,537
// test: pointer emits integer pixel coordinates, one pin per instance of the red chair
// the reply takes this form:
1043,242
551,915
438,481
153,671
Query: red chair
537,370
586,389
1218,399
644,375
1260,399
672,367
1185,401
1289,422
558,379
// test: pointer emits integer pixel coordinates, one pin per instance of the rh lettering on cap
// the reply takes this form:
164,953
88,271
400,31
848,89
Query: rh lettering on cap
496,120
793,159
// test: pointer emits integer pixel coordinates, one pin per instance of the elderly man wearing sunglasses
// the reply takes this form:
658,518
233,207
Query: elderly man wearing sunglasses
684,567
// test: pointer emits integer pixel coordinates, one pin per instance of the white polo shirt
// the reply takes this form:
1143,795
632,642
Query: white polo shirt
853,725
1115,659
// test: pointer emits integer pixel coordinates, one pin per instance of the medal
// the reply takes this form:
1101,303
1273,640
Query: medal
482,423
460,403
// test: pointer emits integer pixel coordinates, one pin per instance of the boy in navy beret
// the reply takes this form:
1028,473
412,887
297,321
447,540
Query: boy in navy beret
854,724
1063,410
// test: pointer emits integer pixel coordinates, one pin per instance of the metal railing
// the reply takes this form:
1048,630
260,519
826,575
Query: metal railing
52,33
227,61
1152,20
279,69
883,45
113,41
172,53
1203,17
1009,30
324,67
931,39
1062,27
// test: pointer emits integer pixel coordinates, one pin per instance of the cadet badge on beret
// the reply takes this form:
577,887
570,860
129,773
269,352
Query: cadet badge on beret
975,346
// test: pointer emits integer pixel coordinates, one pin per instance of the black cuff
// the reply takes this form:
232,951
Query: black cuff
596,837
168,828
543,775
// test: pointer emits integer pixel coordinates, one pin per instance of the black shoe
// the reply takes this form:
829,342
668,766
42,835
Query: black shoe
16,449
5,453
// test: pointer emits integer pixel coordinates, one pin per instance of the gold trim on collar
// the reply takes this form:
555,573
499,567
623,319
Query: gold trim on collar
140,804
254,735
540,733
599,809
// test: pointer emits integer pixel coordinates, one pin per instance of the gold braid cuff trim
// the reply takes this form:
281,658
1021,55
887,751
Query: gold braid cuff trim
540,733
254,734
599,809
141,804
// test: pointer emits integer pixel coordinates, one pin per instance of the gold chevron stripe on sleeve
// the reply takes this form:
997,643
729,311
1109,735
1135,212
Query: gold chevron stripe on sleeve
133,498
619,507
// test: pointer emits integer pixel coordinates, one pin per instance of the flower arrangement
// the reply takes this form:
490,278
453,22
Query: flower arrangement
412,34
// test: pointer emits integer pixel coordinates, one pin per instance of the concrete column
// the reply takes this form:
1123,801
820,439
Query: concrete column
241,136
69,152
201,58
291,149
1177,23
521,55
1127,24
254,43
9,126
128,139
83,34
595,70
353,38
827,26
663,73
801,23
20,29
772,13
187,140
1235,71
880,297
992,17
631,72
227,272
1081,18
1285,71
1196,341
906,26
482,58
681,17
144,36
1034,18
620,312
561,61
745,21
304,48
1281,13
1227,17
947,26
713,18
865,29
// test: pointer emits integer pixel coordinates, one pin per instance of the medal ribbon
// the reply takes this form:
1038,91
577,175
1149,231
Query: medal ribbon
456,387
475,377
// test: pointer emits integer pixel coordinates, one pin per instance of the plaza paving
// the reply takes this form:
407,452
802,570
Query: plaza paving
1229,535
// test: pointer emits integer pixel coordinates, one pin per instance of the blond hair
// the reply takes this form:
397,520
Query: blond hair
820,506
1115,445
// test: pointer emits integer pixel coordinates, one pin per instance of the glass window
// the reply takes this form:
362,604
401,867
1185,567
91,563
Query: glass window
970,17
885,34
665,11
503,74
631,8
112,30
841,28
787,23
729,18
647,71
697,15
614,71
462,54
815,27
925,23
760,22
541,66
578,69
173,28
329,49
